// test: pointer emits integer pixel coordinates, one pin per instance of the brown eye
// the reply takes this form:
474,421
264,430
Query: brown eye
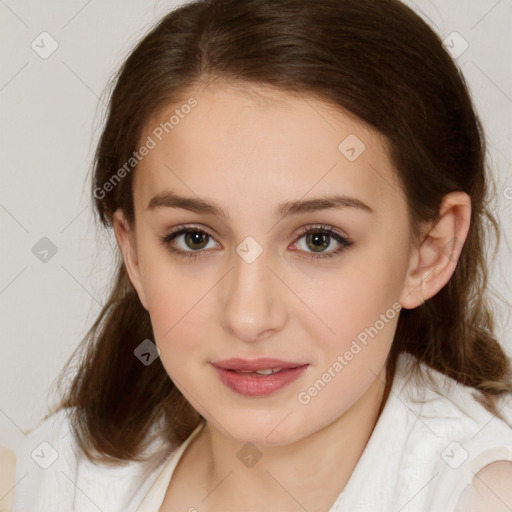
321,242
196,239
318,242
189,242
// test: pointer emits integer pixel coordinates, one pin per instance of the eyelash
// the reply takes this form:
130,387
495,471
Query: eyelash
344,242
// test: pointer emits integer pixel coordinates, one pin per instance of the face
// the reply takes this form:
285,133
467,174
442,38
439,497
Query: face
290,251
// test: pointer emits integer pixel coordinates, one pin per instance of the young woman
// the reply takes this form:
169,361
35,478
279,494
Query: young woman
299,320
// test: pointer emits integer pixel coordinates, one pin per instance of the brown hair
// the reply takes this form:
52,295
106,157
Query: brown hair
374,58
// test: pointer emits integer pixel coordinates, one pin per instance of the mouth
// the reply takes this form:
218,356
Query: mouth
258,377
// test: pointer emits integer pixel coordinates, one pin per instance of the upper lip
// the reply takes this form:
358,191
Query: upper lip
255,364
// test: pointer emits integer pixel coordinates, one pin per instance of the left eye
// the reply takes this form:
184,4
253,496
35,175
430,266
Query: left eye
188,240
316,241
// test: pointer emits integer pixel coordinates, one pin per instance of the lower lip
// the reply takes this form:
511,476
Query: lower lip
259,385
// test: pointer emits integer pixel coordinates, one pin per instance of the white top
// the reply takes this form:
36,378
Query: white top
423,451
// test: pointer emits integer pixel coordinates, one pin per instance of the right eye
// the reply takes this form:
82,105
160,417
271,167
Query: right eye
188,241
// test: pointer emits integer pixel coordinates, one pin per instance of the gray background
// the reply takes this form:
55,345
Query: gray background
51,115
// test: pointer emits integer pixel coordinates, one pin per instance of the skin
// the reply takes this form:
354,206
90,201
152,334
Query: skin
489,491
249,153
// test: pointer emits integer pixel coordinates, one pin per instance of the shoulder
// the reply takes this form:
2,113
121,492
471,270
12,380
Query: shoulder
54,474
454,442
448,407
49,442
44,458
490,490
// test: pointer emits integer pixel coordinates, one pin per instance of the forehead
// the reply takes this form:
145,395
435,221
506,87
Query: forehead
259,147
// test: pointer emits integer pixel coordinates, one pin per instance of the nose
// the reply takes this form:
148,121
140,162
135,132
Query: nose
253,303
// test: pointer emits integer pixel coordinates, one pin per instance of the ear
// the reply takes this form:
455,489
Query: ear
126,240
434,261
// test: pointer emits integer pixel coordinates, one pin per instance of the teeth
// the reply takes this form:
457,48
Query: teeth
269,371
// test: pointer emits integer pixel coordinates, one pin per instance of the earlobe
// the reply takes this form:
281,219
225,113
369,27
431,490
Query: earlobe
434,261
126,242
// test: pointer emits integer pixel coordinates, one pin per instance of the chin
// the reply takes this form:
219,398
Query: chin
264,428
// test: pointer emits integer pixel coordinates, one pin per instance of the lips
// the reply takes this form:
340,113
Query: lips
258,377
255,364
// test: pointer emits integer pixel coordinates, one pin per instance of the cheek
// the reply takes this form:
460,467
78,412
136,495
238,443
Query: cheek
172,303
164,288
360,306
354,295
356,310
175,311
178,302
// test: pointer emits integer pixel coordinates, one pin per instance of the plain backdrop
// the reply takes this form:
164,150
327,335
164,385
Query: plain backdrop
51,118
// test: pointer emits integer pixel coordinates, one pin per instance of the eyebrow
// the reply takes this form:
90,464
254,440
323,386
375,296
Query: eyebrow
198,205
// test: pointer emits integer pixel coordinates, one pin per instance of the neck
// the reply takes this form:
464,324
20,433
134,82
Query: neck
310,472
